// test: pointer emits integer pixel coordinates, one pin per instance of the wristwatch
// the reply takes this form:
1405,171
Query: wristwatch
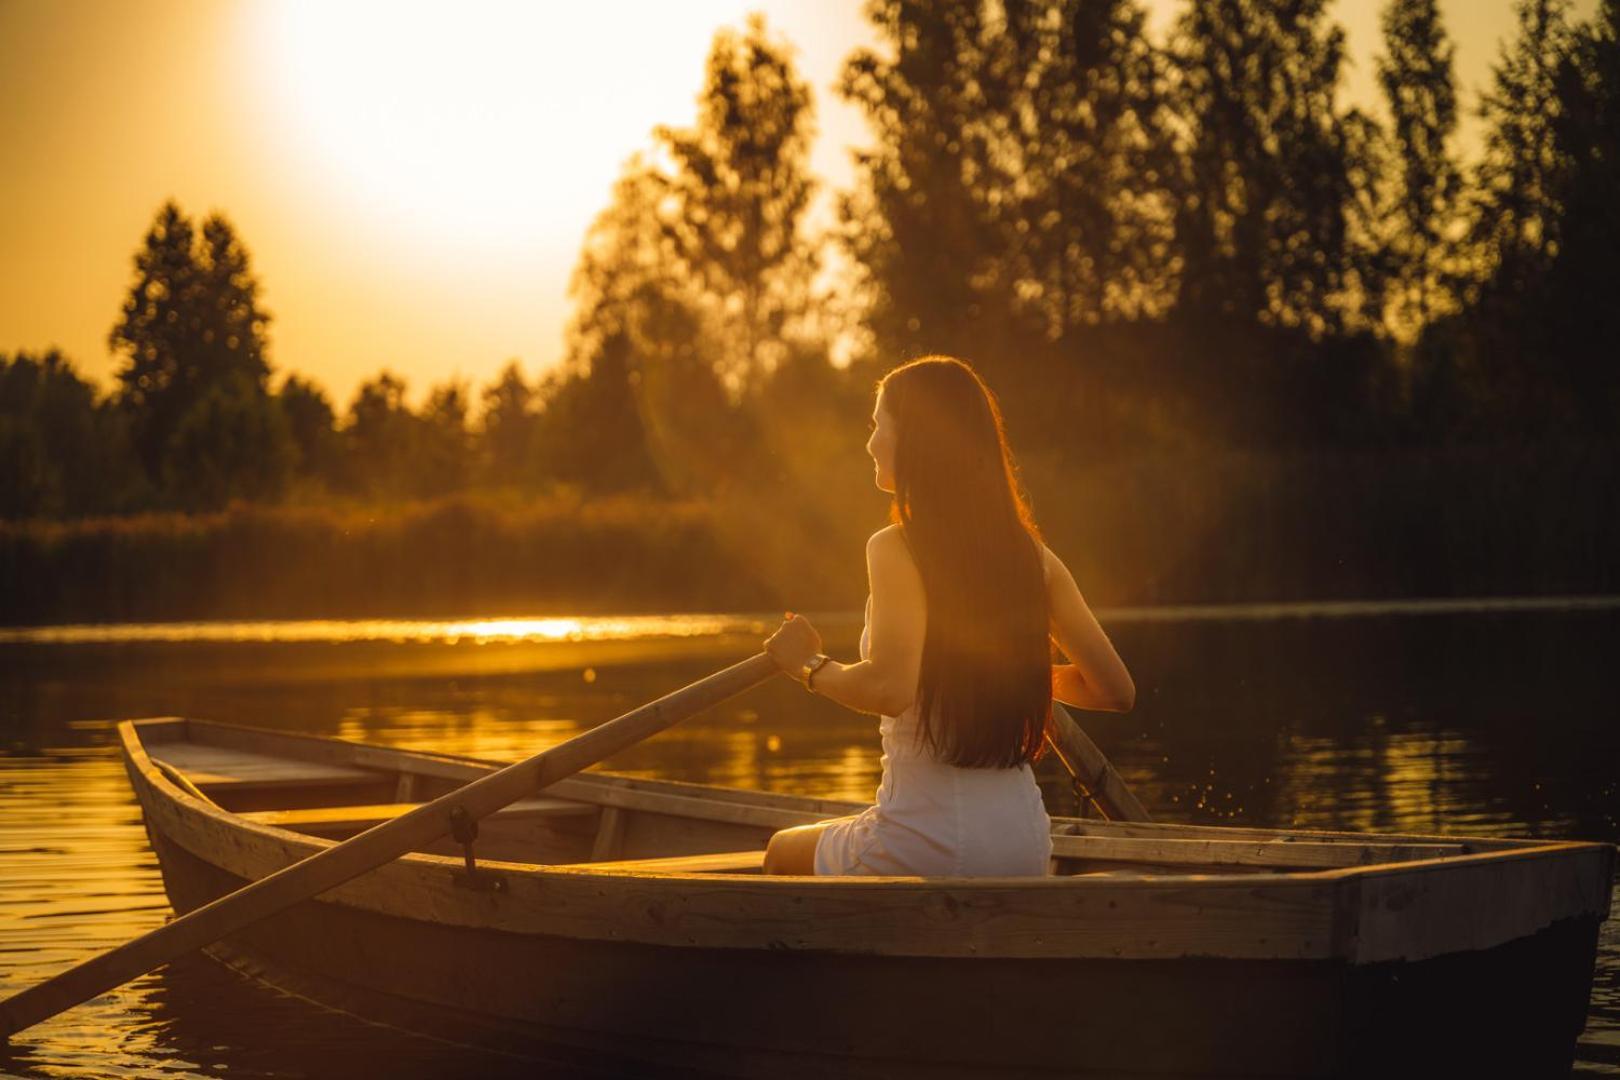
812,666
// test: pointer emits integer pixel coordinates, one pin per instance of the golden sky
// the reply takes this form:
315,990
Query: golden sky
414,186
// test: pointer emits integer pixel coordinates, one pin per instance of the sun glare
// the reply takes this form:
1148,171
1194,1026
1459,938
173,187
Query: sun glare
487,123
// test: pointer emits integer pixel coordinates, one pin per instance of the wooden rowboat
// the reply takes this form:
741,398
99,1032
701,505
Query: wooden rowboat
625,921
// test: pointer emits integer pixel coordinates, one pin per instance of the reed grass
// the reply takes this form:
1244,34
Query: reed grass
1211,528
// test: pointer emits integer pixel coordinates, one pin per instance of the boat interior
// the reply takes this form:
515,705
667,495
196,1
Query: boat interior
334,789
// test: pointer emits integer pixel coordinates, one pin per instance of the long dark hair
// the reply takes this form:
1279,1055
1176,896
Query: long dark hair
984,695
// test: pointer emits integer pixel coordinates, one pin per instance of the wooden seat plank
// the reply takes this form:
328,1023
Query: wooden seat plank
216,766
336,817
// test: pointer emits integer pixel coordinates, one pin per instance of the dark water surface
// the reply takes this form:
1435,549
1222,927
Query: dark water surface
1477,719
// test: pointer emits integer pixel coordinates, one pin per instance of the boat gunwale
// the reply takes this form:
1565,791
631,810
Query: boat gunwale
811,804
1339,889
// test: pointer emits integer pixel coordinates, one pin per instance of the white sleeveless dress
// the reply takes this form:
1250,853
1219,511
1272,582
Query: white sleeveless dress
935,819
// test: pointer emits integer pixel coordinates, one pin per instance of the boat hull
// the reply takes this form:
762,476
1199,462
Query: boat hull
1515,1009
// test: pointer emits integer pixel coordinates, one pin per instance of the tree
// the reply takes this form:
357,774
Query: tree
311,424
62,452
443,445
380,438
738,192
1076,100
506,430
1513,363
637,400
1581,319
918,229
1262,208
1416,74
591,429
1515,213
159,329
194,337
231,443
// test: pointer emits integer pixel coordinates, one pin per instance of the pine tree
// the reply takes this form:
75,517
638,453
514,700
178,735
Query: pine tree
159,331
194,379
1416,74
233,342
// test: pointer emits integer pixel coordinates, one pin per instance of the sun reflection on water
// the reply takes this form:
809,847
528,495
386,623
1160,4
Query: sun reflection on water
430,631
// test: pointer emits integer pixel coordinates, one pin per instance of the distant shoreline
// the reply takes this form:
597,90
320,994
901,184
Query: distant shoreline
1149,538
716,624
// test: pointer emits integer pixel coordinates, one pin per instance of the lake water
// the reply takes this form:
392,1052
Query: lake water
1483,718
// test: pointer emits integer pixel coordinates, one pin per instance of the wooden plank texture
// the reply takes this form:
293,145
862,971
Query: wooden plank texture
216,766
335,817
342,862
721,861
1213,853
1092,770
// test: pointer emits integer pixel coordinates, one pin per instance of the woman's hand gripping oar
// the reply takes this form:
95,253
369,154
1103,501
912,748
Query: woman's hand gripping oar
372,848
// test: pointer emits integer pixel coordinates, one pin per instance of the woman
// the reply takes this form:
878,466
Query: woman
955,654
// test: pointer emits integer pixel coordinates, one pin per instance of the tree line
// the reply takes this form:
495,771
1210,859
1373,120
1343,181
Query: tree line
1144,245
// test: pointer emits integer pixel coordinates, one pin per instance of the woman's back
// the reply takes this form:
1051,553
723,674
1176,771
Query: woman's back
934,818
956,655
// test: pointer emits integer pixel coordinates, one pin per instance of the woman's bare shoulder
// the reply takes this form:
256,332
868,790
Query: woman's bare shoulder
888,552
890,538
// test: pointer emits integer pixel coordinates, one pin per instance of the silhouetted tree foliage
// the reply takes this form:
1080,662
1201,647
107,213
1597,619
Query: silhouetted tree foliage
1261,217
62,452
506,432
1080,162
918,225
311,425
379,437
1416,74
1145,246
1581,313
194,378
692,287
394,452
232,442
445,454
735,198
637,400
1531,357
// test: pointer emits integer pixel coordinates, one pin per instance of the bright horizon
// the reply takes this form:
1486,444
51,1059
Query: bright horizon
408,210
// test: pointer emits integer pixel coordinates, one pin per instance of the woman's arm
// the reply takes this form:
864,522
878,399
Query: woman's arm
886,681
1096,677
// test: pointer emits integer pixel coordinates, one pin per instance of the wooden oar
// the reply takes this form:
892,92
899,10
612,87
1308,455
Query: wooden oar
1094,775
371,849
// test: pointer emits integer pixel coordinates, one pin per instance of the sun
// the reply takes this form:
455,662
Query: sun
486,123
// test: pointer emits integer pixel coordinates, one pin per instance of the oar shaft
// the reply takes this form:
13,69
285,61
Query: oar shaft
371,849
1091,769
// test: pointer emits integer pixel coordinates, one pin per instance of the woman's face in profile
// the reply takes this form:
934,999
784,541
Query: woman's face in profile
881,445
